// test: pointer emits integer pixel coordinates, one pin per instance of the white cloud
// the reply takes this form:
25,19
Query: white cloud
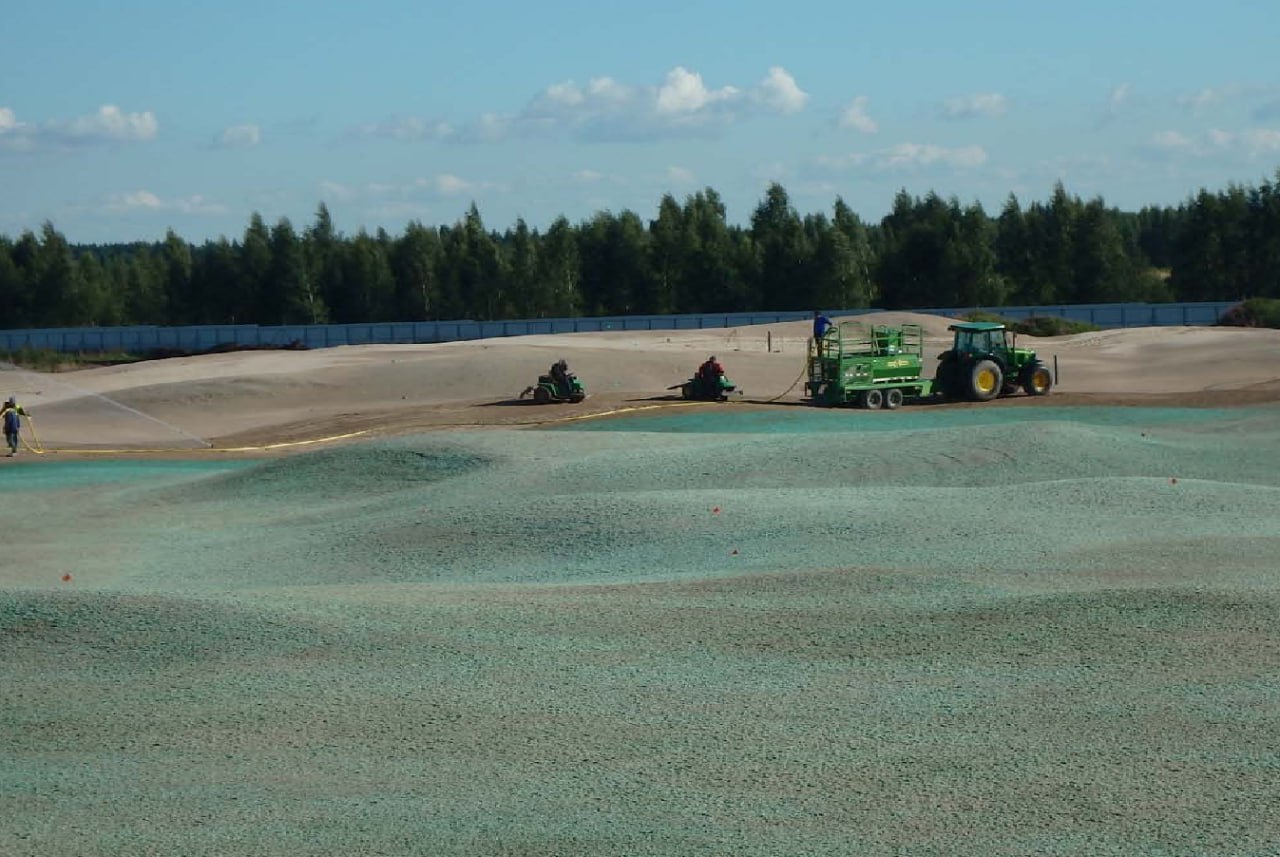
1172,141
1202,100
607,110
683,92
398,209
197,204
587,176
108,124
779,91
980,104
679,175
1252,143
855,116
111,123
336,191
907,156
406,128
240,136
132,201
1118,98
432,187
451,185
926,154
145,200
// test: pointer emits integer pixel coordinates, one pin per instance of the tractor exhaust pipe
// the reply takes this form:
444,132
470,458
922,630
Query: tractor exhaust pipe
1057,379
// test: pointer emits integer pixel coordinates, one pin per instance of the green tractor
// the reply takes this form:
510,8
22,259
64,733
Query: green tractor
984,362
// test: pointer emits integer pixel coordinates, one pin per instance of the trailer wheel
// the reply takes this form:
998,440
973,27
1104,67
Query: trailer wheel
872,400
893,399
985,380
1037,380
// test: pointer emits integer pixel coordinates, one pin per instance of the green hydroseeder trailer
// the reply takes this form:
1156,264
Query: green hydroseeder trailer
870,366
881,366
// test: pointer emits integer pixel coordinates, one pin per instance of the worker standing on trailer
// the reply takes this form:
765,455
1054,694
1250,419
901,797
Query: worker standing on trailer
11,413
820,325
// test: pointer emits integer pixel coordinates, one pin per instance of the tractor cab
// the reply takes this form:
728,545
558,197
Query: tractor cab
981,338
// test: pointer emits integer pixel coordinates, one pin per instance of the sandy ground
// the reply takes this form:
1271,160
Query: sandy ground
484,627
259,398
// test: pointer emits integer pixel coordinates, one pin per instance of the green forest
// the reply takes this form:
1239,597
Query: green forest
927,252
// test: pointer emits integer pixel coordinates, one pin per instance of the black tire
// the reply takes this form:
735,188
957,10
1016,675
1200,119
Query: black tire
872,400
985,380
1037,380
944,380
892,399
541,395
686,391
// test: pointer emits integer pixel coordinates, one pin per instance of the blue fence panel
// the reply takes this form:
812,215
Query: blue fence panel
143,338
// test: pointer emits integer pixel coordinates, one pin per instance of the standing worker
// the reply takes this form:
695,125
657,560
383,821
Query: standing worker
820,325
11,412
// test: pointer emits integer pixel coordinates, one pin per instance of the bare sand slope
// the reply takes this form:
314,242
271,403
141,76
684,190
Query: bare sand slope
258,397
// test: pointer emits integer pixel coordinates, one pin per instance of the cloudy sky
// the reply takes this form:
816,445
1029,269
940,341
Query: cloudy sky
119,120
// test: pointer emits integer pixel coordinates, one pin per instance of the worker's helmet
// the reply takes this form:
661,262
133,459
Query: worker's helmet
712,358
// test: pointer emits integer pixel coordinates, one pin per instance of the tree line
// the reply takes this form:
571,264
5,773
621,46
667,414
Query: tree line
927,252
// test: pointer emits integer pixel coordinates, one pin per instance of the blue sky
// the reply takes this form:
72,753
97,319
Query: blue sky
121,119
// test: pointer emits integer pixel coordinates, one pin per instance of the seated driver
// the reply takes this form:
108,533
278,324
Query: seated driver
712,370
561,375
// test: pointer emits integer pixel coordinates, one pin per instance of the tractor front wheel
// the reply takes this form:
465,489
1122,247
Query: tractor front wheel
893,399
985,380
872,400
1037,380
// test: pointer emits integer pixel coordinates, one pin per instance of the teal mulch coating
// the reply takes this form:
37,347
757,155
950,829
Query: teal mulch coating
996,631
804,419
34,475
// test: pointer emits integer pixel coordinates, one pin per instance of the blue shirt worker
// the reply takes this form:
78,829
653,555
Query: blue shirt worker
820,324
10,412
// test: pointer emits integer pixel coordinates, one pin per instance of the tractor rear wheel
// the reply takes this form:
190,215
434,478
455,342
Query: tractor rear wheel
872,400
893,399
1037,380
985,380
945,380
541,395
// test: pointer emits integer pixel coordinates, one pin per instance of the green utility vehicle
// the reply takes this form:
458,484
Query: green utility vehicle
984,362
706,388
868,366
550,389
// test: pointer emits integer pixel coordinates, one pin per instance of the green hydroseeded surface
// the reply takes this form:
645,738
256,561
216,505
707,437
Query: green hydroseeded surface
1000,631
